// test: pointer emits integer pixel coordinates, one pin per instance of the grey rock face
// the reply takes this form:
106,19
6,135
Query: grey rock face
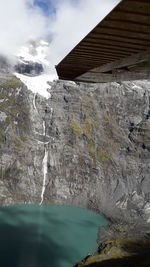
88,145
29,68
5,67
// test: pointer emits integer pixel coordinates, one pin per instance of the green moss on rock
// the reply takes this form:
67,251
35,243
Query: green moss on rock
103,156
10,83
91,149
87,127
14,105
76,128
23,138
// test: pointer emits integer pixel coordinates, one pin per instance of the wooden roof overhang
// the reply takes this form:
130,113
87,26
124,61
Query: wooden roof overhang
116,45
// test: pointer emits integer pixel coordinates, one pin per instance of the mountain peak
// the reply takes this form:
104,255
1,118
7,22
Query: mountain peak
34,68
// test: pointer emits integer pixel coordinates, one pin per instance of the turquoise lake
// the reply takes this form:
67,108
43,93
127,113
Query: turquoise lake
46,236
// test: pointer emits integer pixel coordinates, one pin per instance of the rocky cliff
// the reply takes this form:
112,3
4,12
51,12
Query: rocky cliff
87,145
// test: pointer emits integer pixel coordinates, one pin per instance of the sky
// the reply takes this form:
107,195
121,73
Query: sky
63,22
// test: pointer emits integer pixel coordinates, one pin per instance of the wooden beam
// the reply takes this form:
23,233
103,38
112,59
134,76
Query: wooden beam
125,62
120,41
118,77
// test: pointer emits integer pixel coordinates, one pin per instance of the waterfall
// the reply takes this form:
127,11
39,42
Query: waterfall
44,128
44,163
34,105
45,158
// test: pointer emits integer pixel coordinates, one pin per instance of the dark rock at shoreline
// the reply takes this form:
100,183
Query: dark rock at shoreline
126,252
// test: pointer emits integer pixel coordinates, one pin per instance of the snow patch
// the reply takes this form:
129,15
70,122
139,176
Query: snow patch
37,84
3,116
4,99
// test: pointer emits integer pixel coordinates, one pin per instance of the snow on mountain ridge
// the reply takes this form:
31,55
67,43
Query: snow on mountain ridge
37,52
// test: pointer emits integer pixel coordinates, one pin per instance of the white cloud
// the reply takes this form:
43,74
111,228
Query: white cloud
19,22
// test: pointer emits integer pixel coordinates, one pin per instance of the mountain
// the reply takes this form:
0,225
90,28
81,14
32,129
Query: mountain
79,144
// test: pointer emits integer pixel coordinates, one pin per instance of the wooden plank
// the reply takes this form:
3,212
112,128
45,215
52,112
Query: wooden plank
114,44
125,62
102,51
126,33
131,7
125,25
94,53
88,60
117,37
117,42
105,57
110,46
129,16
99,47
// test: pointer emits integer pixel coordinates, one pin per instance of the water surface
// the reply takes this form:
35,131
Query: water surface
46,236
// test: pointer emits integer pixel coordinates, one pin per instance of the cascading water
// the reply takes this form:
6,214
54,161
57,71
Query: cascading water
44,128
45,158
44,173
34,104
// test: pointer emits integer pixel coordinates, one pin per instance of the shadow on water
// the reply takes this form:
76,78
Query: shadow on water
21,247
33,236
